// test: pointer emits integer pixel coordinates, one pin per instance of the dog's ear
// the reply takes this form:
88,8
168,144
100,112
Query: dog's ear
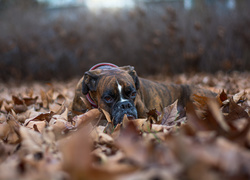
131,71
90,81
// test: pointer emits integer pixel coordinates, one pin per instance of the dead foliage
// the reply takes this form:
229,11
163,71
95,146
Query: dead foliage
41,139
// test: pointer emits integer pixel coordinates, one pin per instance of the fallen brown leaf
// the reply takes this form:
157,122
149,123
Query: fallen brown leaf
170,114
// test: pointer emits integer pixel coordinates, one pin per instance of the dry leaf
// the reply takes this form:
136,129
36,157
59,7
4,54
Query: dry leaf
91,116
141,124
214,108
36,143
241,96
37,125
39,117
170,114
4,130
29,101
154,116
107,115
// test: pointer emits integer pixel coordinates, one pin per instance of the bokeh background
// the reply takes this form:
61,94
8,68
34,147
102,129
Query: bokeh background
61,39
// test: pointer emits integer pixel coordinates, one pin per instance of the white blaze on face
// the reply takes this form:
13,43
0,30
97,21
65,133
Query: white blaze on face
120,92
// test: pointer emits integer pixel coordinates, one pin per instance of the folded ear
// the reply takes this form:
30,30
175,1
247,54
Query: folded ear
131,71
90,81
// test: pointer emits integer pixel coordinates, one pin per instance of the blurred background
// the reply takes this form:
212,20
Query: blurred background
61,39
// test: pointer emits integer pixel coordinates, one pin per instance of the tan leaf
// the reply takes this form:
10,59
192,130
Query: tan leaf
76,154
141,124
240,96
105,139
157,128
55,107
170,114
60,126
116,131
91,116
107,115
4,130
65,114
6,106
60,99
37,125
31,141
13,136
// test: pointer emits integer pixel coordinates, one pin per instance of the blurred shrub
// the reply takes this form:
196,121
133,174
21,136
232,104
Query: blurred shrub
38,43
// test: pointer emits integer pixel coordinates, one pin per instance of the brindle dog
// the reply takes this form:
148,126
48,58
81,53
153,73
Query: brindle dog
119,91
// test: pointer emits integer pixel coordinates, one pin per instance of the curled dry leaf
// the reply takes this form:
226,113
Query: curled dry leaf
141,124
60,99
91,116
39,117
107,115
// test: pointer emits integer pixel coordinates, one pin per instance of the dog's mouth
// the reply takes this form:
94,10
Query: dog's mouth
118,115
130,116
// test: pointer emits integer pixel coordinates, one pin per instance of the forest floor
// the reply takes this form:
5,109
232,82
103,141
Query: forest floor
41,139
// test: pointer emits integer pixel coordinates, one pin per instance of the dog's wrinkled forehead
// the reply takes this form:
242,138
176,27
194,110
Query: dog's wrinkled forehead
101,78
113,79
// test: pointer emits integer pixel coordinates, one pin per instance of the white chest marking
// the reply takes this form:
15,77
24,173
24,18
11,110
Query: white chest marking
120,92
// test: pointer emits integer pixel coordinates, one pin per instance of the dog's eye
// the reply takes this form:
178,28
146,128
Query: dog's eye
133,95
108,99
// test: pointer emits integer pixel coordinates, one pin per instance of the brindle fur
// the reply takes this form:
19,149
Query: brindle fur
150,94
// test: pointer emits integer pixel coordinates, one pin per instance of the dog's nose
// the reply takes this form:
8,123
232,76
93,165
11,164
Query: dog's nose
126,105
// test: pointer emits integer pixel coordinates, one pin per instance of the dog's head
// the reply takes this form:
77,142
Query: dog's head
114,90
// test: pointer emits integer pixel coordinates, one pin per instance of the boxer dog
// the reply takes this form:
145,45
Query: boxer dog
119,91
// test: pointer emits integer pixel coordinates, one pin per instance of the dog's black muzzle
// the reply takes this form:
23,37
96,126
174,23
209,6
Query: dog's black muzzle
122,108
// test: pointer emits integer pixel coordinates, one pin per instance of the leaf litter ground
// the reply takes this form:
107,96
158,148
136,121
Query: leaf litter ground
40,138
